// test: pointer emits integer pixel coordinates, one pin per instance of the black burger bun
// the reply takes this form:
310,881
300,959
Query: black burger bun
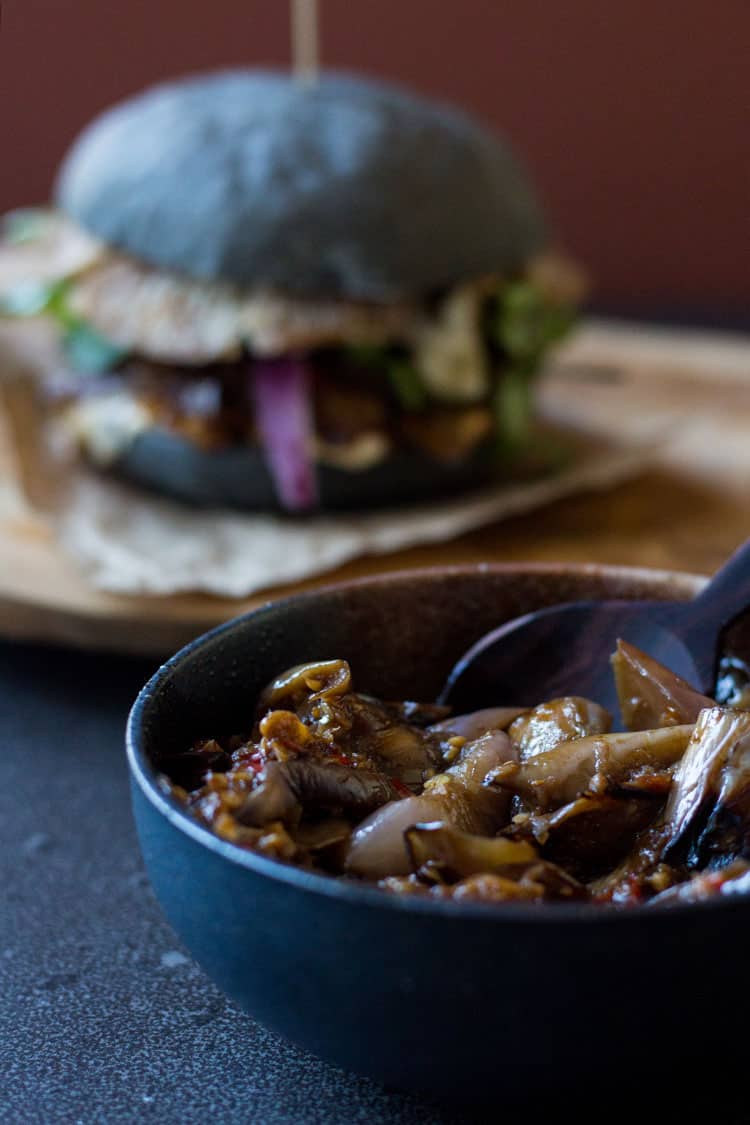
168,463
345,187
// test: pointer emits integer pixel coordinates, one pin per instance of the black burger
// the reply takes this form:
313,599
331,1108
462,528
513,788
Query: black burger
283,294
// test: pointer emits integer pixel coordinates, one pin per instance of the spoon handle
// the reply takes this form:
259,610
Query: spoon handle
725,596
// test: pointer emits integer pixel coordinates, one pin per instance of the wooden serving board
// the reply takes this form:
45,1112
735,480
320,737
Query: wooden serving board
689,392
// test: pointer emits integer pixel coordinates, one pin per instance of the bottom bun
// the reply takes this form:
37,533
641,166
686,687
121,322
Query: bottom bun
237,477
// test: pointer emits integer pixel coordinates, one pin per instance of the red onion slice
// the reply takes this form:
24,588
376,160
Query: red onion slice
283,414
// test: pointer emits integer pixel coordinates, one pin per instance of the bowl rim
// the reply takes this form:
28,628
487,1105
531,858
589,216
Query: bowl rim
146,776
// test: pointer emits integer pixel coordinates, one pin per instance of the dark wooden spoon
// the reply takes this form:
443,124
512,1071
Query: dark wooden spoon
565,649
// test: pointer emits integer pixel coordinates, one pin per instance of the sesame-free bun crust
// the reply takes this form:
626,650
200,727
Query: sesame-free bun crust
237,477
347,187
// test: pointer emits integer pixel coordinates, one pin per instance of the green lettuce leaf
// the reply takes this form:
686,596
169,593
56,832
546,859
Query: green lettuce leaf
32,298
513,408
522,323
527,323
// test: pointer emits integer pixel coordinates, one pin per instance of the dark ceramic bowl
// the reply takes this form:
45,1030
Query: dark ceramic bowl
449,998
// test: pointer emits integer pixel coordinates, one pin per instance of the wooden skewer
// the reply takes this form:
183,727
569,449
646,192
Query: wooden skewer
305,40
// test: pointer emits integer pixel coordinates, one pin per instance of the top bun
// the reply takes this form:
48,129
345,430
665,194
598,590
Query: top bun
346,187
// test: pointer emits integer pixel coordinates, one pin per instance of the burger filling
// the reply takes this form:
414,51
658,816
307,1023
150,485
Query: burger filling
341,383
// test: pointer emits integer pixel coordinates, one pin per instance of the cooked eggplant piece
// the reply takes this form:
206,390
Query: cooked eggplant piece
476,723
649,694
560,720
707,816
641,874
457,797
443,850
593,765
591,834
406,753
302,784
470,805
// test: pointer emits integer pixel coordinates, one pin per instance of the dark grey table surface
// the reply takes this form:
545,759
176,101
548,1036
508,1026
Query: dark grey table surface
103,1016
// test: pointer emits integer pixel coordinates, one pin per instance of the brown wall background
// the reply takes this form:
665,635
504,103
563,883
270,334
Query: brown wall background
632,114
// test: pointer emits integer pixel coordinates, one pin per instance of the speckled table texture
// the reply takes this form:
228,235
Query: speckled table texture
103,1016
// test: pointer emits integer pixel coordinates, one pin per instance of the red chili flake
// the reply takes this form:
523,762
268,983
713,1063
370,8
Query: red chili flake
635,890
255,761
399,786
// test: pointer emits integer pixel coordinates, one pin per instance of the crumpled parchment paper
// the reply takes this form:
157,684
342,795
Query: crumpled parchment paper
129,542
